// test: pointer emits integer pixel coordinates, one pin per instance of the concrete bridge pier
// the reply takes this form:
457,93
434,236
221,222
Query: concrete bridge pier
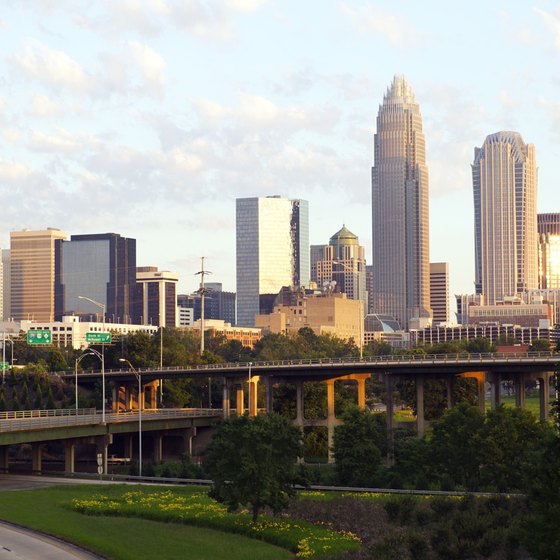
300,417
332,420
102,446
239,401
390,410
69,456
519,384
253,395
225,397
450,388
420,420
4,463
157,439
495,380
269,386
36,457
544,395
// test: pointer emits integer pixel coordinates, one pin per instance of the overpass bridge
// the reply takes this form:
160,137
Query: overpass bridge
492,368
73,427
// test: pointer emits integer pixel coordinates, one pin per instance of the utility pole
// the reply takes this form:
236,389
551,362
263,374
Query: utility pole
202,290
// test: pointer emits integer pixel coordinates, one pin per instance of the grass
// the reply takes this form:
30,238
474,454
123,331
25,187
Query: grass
49,510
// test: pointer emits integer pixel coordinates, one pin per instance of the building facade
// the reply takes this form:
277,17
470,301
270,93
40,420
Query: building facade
157,296
548,228
439,292
101,267
504,176
400,213
6,285
34,260
272,251
343,262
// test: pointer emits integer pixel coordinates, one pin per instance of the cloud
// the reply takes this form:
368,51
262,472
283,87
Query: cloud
553,22
13,173
245,6
60,142
367,19
151,66
43,106
53,68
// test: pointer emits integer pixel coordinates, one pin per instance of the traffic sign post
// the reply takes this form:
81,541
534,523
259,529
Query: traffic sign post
39,336
98,337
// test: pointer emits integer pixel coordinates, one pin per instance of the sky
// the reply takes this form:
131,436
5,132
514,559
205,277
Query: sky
149,118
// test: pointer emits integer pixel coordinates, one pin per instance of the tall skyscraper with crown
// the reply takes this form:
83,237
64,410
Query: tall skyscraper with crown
400,209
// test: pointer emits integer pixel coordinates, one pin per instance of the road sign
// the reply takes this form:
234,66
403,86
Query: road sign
4,365
98,337
39,336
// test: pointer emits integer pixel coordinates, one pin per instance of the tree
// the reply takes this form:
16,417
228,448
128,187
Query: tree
252,462
358,445
540,345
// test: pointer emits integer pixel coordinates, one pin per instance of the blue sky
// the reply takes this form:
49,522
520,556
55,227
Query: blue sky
150,117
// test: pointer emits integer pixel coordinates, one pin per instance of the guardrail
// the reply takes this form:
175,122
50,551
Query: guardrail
495,357
92,416
46,413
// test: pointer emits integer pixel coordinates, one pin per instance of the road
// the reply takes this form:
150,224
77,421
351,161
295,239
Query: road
20,544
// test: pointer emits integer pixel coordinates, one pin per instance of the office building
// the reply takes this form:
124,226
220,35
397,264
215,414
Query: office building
101,267
400,234
185,311
463,302
439,292
504,176
218,305
34,258
548,228
272,242
157,296
6,284
343,263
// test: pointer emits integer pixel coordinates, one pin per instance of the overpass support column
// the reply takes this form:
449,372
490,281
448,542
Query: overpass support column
225,397
495,390
69,456
240,405
158,447
544,396
102,445
127,446
389,387
450,386
520,390
331,418
115,400
420,425
36,450
4,459
190,433
253,396
299,403
269,394
361,393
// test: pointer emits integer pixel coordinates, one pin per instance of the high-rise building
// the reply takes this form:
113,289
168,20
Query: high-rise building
34,260
505,212
102,267
439,292
548,227
343,262
400,236
272,241
218,305
6,284
157,296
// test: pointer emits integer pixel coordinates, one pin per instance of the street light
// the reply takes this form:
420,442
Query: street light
361,325
90,352
102,307
140,404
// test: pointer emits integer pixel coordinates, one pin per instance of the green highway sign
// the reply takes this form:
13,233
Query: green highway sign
39,336
4,365
98,337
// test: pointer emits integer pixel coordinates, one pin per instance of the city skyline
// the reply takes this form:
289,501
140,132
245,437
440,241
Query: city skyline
110,122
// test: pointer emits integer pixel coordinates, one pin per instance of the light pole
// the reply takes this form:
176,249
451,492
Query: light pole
90,352
140,405
102,307
361,318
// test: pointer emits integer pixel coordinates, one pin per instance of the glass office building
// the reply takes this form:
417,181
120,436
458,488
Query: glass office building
272,241
101,267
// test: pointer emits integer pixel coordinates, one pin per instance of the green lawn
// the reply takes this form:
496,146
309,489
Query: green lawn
120,538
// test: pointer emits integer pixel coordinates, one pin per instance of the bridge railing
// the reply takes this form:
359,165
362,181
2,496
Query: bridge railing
17,414
373,360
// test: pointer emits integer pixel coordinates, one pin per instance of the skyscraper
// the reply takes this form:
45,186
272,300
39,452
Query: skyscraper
439,292
548,227
156,299
343,261
400,214
505,212
100,266
34,261
272,240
